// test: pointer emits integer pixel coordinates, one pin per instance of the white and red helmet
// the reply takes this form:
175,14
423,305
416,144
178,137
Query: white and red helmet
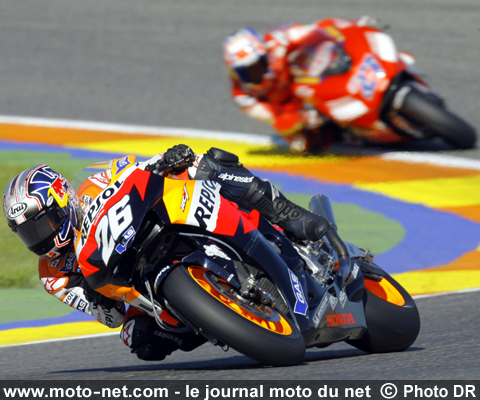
245,54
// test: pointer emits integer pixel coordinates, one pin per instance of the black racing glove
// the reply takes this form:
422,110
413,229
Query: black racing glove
174,161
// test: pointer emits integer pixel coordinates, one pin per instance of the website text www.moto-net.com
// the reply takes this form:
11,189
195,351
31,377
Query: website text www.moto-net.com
242,390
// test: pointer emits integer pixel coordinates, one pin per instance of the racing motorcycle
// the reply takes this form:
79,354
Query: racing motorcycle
194,261
370,91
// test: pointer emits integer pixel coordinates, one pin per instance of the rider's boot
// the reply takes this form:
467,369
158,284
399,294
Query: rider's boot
264,197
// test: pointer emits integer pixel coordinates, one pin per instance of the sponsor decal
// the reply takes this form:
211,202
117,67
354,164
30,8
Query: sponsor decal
367,77
70,299
168,336
54,263
301,303
121,247
355,270
215,251
100,179
343,298
197,160
86,201
333,302
121,164
205,205
69,264
52,254
75,301
185,198
82,305
58,191
16,210
340,319
103,315
235,178
321,309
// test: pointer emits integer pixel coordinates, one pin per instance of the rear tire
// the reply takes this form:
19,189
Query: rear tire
425,113
271,340
391,326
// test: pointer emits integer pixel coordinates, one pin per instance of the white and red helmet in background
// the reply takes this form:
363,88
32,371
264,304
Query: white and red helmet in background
245,55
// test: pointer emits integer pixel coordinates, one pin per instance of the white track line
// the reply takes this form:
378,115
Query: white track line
137,129
60,340
435,159
408,157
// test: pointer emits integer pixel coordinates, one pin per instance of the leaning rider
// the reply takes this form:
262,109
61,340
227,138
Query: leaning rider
43,210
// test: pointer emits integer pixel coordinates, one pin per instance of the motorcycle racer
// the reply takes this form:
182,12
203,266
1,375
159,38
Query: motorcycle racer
262,69
44,211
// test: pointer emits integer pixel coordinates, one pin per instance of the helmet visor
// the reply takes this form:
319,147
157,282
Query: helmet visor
38,232
255,72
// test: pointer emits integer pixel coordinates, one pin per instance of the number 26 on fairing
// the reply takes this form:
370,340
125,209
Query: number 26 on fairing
118,218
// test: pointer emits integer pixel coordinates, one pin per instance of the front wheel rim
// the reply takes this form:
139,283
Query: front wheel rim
261,315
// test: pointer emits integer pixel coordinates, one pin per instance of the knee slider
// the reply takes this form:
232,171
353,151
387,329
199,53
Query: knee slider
286,210
302,223
258,196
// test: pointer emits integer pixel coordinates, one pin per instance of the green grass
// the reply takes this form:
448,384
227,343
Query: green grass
366,229
29,303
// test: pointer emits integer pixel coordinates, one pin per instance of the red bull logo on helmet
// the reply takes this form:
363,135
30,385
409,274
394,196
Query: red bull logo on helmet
47,186
58,191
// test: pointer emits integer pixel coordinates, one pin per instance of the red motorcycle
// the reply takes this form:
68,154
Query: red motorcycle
371,90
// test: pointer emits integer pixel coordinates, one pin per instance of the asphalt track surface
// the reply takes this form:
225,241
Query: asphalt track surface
159,63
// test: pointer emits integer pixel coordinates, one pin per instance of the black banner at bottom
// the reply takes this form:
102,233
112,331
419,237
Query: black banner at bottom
249,389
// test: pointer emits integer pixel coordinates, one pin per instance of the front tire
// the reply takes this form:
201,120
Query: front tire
393,322
260,332
431,116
